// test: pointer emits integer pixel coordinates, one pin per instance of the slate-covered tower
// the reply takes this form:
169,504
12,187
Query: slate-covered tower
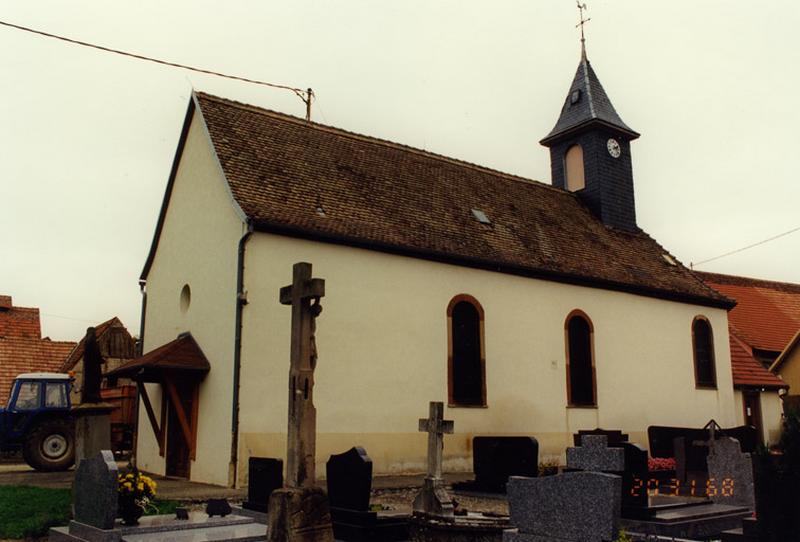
590,151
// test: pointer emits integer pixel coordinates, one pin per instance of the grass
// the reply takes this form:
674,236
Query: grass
27,511
30,511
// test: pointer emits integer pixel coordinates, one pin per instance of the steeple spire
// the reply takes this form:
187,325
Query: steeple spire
582,22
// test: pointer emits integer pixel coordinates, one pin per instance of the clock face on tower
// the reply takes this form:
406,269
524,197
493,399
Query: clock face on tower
613,148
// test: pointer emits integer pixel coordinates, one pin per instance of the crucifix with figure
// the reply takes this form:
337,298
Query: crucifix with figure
300,512
433,499
303,294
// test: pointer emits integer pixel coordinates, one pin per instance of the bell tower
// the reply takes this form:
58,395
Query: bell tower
590,151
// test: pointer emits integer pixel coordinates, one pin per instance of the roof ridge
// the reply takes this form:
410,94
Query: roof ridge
739,280
380,141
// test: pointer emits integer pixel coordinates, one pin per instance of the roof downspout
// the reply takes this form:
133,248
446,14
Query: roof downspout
138,353
241,301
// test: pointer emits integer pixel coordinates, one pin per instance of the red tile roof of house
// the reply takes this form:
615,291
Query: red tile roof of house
767,313
18,322
23,355
22,349
303,179
748,371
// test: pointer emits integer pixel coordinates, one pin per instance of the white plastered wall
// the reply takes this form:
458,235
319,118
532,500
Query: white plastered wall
198,246
382,340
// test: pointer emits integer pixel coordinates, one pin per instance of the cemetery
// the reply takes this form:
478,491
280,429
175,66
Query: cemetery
695,484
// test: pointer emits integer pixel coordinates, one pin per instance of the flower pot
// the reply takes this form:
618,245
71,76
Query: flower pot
129,511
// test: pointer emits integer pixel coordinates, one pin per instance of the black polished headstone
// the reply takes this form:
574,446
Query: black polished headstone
615,436
635,480
350,479
494,459
265,476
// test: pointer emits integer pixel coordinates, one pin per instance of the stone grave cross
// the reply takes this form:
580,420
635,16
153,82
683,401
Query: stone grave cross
436,426
433,499
303,295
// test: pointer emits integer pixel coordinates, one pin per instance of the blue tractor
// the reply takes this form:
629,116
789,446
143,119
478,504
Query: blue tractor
37,419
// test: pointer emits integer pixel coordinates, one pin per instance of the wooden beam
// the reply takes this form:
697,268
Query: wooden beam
175,400
162,444
194,420
151,416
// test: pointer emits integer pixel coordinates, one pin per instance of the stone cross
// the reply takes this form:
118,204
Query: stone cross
594,455
436,426
92,369
433,499
303,295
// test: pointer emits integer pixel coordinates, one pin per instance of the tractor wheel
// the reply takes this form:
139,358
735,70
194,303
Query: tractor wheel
50,445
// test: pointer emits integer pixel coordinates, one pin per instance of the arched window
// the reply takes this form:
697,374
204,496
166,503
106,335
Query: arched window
581,387
573,162
466,364
705,374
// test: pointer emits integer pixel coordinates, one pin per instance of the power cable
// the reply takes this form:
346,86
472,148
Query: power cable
693,264
305,95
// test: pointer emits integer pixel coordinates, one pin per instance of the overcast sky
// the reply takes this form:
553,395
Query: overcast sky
87,138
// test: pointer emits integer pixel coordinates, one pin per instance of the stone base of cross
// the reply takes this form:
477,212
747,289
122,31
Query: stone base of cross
434,499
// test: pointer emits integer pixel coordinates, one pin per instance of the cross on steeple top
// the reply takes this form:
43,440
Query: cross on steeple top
581,8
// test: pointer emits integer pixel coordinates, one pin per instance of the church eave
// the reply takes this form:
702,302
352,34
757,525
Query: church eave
554,137
187,123
266,226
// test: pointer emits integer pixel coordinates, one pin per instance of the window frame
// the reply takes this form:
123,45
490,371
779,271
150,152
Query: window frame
451,403
580,314
711,354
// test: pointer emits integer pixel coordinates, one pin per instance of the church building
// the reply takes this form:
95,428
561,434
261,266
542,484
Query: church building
528,308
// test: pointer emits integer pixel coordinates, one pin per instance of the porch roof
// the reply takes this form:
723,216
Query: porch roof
181,355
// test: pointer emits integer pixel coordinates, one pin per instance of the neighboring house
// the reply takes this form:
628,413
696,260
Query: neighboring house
530,308
787,366
116,347
22,348
766,317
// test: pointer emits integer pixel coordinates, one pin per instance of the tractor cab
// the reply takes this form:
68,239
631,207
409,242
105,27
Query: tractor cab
37,419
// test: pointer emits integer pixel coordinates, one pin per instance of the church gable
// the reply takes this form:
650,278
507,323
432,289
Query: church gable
298,178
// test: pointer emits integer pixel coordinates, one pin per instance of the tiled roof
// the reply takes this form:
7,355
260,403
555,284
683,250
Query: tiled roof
19,322
182,354
767,313
25,355
787,352
586,102
299,178
77,352
747,370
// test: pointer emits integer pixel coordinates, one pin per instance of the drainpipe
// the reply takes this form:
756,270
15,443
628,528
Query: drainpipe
138,353
241,301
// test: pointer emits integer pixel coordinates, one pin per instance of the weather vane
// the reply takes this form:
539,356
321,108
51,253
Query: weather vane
582,22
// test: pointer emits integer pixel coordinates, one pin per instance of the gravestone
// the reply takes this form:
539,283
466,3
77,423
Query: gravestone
265,475
94,491
730,474
595,455
615,436
571,507
349,477
494,459
635,481
300,512
434,499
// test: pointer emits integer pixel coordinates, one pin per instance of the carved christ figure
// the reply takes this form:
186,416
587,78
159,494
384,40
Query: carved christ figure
92,369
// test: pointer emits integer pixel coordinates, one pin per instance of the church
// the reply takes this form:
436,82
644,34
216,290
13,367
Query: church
527,308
